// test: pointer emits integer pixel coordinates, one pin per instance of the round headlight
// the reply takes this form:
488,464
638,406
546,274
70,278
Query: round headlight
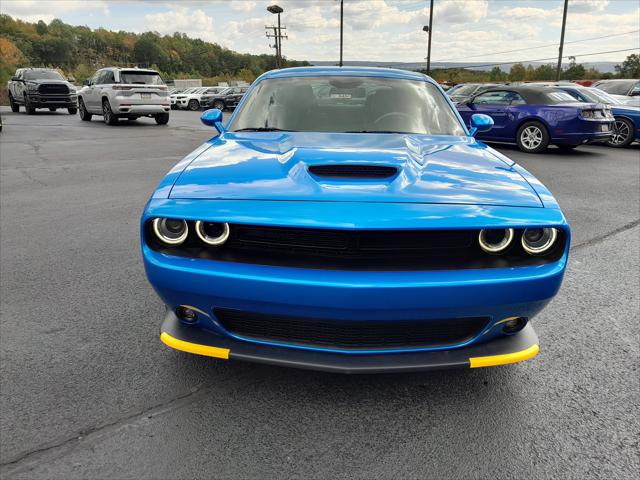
537,241
170,231
495,240
212,233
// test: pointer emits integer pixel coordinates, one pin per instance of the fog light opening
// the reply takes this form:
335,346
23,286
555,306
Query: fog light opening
186,314
513,325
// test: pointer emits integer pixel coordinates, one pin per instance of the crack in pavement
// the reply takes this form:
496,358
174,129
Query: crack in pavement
31,458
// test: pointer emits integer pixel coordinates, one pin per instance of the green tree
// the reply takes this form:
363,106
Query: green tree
497,75
630,68
517,72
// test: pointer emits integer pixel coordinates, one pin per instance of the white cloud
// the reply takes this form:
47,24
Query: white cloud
242,5
32,10
461,11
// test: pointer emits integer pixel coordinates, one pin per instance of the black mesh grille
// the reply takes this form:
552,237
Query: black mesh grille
351,335
353,171
53,88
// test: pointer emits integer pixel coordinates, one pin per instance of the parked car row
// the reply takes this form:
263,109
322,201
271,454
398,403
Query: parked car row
534,116
113,93
204,97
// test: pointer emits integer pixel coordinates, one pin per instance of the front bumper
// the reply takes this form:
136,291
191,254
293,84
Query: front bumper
501,351
53,101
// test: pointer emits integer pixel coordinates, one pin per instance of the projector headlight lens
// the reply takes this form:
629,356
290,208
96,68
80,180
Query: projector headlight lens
538,241
495,240
212,233
170,230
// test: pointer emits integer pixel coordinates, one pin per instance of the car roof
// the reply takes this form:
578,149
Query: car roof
345,71
532,94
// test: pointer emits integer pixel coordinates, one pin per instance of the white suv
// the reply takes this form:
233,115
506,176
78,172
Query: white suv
124,93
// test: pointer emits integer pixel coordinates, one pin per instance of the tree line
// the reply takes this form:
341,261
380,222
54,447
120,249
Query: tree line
78,51
630,68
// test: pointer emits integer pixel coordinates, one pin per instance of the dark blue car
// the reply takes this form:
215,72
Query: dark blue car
535,116
627,117
345,219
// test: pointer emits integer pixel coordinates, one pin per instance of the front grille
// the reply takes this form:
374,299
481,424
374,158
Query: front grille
372,250
349,334
53,88
353,171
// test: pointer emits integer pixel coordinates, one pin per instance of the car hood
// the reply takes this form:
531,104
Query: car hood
430,169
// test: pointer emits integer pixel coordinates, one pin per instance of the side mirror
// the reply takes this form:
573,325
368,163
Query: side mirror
15,79
480,123
86,83
213,118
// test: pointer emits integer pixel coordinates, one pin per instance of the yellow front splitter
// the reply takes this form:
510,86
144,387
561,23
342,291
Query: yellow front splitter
474,362
504,359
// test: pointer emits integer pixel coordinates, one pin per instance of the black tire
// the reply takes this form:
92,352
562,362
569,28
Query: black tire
532,137
193,105
84,115
28,107
162,118
622,133
566,148
219,104
15,108
72,111
51,109
174,106
107,114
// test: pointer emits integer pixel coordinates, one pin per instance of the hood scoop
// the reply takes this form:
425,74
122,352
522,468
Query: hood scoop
353,171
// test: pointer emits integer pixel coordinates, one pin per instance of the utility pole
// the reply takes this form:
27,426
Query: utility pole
429,33
341,28
564,24
277,34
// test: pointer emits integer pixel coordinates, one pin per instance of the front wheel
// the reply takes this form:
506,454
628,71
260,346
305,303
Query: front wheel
162,118
622,133
107,113
15,108
193,105
532,137
28,107
51,109
72,111
84,115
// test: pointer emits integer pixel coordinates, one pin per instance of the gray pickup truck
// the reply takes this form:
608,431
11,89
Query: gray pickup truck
41,88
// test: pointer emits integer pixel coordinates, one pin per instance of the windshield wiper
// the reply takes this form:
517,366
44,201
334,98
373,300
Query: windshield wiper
263,129
376,131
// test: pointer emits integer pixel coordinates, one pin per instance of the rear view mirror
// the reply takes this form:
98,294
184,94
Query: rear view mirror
480,123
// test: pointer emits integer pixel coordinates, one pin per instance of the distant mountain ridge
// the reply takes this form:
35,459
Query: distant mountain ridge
604,67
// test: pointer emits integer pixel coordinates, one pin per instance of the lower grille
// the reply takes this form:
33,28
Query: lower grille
348,334
53,88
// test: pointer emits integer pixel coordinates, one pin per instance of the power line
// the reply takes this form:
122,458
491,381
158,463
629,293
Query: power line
545,59
536,47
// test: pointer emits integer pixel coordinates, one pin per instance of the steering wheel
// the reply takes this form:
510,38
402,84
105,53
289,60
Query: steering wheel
392,114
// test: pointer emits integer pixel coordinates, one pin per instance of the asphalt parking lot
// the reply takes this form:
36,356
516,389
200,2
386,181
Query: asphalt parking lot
88,391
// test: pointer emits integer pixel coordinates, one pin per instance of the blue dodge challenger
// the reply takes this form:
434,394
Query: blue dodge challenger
345,219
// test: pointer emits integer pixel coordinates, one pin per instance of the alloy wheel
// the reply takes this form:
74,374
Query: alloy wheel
531,137
620,133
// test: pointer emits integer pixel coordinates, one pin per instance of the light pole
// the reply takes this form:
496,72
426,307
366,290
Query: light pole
564,24
275,9
341,28
429,30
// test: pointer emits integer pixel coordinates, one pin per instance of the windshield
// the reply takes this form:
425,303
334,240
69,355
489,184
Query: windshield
141,78
598,96
616,88
560,96
348,104
42,75
465,90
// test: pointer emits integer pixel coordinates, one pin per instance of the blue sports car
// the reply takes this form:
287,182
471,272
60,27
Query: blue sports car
536,116
627,118
345,219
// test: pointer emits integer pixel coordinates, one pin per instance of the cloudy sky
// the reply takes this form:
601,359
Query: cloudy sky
375,30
